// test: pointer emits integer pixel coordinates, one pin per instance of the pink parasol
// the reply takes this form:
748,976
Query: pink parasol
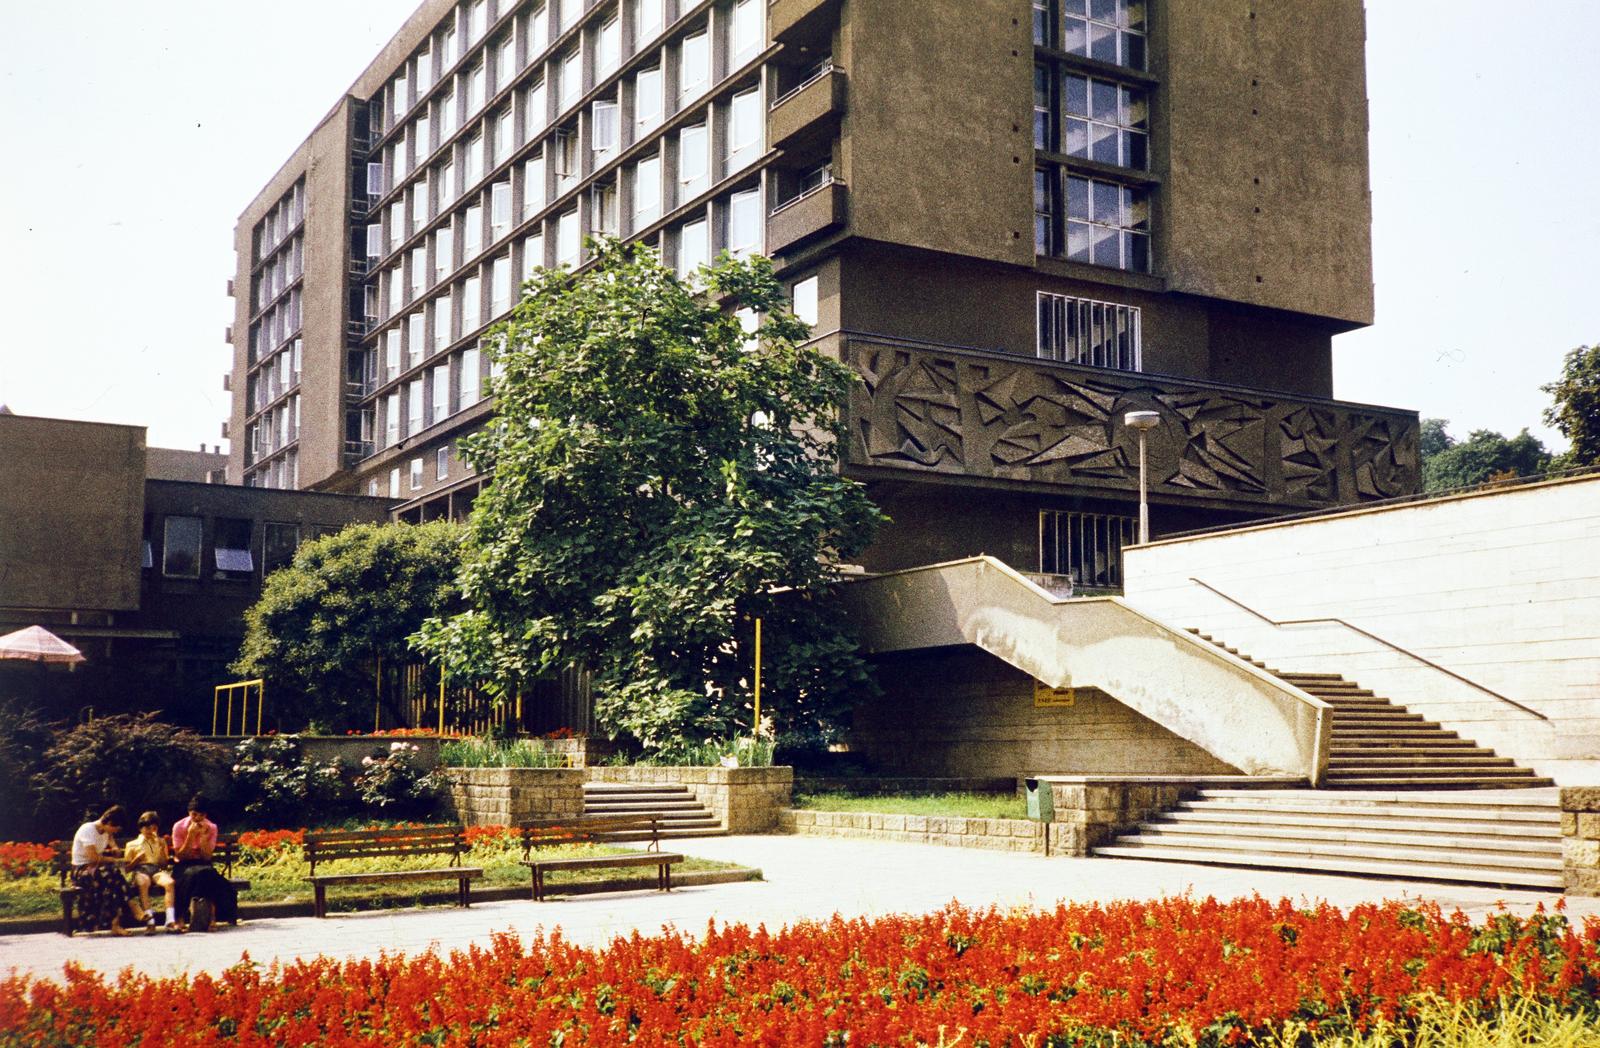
37,644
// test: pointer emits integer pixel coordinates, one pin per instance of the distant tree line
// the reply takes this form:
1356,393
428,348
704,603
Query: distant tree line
1487,455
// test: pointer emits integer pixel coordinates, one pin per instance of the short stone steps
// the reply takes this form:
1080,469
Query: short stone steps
680,815
1510,838
1479,758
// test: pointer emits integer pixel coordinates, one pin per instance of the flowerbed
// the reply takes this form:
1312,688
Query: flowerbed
1173,971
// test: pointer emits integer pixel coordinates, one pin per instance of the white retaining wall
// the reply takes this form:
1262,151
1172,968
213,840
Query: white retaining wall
1502,587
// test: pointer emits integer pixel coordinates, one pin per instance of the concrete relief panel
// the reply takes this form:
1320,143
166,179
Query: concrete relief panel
983,415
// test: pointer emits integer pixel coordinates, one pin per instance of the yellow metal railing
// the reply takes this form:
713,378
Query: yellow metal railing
242,689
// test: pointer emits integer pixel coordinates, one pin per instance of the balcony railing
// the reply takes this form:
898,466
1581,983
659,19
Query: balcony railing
356,450
804,113
808,215
1003,417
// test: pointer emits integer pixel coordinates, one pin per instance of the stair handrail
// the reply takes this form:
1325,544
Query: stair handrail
1370,636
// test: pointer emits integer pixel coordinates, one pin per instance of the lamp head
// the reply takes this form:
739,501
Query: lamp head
1142,420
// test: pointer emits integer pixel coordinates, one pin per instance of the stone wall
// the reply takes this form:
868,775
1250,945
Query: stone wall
1089,811
1014,835
963,712
866,785
744,800
507,796
1580,839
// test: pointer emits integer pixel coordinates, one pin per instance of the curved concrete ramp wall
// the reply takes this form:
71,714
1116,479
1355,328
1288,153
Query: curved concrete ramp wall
1222,704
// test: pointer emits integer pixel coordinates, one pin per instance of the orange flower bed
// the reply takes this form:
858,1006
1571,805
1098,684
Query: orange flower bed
22,858
1203,972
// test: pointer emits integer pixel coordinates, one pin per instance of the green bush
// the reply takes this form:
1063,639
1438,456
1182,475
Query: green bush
131,759
275,784
497,753
391,784
22,747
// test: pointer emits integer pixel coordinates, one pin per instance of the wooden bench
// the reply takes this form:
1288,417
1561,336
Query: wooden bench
603,829
226,853
334,845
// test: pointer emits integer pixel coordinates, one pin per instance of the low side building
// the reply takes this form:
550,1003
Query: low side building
149,578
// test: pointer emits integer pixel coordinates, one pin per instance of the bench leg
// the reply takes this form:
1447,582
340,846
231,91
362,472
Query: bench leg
466,898
66,916
666,876
322,900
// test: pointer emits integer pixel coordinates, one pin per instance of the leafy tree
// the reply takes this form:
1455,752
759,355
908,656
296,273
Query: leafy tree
1433,439
1576,411
660,478
1484,454
347,600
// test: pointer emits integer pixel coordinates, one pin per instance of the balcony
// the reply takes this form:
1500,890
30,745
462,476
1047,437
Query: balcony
792,18
1001,417
356,450
807,113
809,215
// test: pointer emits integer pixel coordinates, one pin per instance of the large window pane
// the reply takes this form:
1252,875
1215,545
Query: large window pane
180,548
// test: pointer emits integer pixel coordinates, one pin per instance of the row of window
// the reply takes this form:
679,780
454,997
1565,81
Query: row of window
1090,220
232,547
283,218
431,397
1111,31
274,328
735,223
1083,331
284,268
275,430
415,473
1087,117
282,473
275,378
1086,546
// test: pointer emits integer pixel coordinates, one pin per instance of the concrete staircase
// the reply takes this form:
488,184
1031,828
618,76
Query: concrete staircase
1402,798
1500,837
680,814
1378,744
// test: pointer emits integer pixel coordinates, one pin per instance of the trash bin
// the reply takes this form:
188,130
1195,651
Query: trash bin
1041,801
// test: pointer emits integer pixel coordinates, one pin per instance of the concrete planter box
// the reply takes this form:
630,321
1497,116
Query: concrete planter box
1012,835
507,796
581,752
744,800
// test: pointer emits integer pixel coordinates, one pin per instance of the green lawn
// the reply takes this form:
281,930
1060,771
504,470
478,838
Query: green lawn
960,805
279,876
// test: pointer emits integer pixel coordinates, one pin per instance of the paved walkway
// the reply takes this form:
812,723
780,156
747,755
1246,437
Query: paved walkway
807,877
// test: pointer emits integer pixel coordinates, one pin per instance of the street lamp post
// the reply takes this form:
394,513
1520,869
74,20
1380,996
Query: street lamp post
1143,422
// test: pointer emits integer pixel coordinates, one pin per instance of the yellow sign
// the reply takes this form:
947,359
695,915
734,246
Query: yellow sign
1045,696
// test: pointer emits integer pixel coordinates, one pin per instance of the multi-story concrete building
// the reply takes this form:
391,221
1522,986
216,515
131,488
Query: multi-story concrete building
1016,220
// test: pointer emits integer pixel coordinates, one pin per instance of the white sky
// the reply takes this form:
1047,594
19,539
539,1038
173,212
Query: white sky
136,133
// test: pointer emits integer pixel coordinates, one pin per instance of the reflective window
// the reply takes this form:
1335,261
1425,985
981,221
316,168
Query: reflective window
180,548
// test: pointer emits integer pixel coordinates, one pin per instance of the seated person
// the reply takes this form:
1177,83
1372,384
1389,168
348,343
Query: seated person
194,838
147,859
104,894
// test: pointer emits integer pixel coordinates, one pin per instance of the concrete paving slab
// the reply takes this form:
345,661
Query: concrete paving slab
806,878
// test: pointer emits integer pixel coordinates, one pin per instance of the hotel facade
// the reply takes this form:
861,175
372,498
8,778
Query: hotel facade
1017,221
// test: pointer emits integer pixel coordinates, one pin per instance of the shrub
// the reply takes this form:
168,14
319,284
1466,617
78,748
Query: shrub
275,782
131,759
22,747
391,783
728,753
492,753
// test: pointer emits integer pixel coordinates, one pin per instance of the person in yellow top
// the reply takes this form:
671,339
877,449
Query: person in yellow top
147,859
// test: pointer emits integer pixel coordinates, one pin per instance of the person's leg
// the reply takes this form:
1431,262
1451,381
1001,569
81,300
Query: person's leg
141,880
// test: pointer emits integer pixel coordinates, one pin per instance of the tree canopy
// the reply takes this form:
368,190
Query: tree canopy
346,600
661,476
1576,411
1447,463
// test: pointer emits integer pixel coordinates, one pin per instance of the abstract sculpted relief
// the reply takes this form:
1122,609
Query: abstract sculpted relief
984,415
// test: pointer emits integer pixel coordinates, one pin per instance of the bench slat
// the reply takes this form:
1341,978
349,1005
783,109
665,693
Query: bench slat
598,861
450,874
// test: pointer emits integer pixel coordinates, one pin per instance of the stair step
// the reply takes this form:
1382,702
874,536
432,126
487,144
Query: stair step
1374,822
637,791
1543,803
1301,677
1374,760
643,805
1515,876
1439,782
1309,848
1407,835
1420,748
1351,733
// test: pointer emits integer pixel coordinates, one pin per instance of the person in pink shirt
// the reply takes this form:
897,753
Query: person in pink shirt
194,838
